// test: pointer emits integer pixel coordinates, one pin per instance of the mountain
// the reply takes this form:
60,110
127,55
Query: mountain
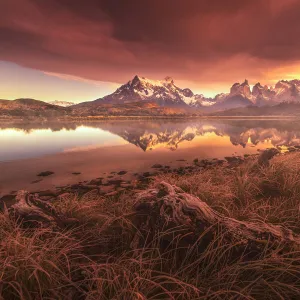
165,93
62,103
241,95
31,108
162,92
145,97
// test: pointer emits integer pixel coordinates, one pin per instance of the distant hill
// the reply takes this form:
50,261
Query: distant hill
128,109
281,109
31,108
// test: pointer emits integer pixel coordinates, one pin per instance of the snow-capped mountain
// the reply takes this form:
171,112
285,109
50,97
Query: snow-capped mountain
61,103
287,91
241,95
163,92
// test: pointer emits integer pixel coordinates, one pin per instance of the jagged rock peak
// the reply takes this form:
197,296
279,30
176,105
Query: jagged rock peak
135,79
241,89
258,85
169,79
245,82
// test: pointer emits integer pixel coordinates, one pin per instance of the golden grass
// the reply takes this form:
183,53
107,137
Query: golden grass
270,194
95,260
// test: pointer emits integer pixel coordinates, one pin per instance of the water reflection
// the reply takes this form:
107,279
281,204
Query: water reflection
20,140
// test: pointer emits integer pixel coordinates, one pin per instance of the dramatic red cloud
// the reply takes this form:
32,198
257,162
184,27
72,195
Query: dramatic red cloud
204,42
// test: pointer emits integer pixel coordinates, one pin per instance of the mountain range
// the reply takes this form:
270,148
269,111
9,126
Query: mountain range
141,96
166,93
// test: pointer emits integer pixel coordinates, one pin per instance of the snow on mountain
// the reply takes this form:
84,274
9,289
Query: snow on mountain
287,91
241,94
163,92
61,103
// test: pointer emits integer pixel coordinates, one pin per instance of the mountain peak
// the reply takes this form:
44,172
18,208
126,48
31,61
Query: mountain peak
135,79
241,89
246,82
169,79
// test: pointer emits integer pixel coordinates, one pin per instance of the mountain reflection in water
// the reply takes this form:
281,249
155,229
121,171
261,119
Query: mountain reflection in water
146,135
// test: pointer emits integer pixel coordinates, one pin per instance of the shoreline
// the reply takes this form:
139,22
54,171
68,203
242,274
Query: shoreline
120,118
116,180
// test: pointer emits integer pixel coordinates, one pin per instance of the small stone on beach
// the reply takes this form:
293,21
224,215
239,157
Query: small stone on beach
46,173
122,173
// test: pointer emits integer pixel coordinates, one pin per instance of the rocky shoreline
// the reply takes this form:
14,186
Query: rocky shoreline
115,184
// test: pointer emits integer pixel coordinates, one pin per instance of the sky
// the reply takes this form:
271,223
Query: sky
76,50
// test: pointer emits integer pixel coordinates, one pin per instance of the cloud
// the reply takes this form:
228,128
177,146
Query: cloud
200,41
74,78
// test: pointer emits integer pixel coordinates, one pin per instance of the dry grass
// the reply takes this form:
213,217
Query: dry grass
269,194
95,260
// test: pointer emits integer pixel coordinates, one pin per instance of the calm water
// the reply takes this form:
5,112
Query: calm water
97,149
21,141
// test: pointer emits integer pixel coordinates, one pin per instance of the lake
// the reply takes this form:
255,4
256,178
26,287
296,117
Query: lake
96,149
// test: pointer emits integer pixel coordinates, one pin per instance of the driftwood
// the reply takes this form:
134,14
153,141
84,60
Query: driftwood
31,210
185,218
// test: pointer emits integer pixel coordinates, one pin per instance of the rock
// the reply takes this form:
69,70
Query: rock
36,181
234,159
115,182
76,173
47,193
7,201
81,188
265,156
96,182
157,166
46,173
122,173
292,149
147,174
